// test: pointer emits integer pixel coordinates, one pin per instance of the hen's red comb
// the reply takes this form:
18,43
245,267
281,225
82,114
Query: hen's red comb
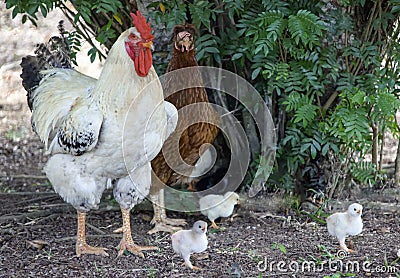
142,26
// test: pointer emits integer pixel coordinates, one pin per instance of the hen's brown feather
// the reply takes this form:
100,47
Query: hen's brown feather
194,136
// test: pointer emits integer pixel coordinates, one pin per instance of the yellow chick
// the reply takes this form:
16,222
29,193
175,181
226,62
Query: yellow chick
343,224
215,206
187,242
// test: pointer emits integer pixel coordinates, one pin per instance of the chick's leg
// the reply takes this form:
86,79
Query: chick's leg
81,246
127,240
189,264
160,220
343,245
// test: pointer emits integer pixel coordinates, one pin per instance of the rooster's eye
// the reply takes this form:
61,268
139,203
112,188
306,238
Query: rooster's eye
132,36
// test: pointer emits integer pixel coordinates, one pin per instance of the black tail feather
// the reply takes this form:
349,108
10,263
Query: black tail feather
53,54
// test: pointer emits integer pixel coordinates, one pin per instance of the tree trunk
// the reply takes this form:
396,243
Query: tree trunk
381,151
249,126
397,167
375,143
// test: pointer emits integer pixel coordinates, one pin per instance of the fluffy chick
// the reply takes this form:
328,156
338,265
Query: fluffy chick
343,224
215,206
187,242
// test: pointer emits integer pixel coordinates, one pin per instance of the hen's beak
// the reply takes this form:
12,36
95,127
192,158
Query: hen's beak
187,44
359,211
204,229
238,202
148,44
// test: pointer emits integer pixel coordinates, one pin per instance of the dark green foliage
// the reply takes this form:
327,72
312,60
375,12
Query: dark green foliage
321,70
329,68
102,19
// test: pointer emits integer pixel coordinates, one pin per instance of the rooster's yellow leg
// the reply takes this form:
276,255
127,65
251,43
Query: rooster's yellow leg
213,225
164,218
81,246
191,186
127,240
160,220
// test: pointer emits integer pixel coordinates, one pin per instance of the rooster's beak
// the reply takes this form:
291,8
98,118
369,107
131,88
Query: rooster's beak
148,44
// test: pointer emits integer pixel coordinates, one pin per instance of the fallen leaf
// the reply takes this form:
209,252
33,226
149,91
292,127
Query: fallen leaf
37,243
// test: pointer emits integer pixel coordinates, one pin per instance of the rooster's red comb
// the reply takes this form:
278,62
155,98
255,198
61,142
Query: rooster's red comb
142,26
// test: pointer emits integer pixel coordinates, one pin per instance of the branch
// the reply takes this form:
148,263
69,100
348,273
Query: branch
330,100
82,31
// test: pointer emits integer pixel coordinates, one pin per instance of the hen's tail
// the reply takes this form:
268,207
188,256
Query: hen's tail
53,54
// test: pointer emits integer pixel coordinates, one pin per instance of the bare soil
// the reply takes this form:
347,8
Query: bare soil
37,229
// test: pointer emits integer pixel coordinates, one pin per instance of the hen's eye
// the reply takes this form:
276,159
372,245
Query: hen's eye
200,227
355,209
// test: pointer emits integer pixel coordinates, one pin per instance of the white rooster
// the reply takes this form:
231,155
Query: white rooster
92,127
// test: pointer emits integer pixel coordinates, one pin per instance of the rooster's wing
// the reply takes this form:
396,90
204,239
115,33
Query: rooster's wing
64,113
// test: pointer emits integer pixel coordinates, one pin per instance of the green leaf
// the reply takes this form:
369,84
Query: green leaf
334,148
211,50
33,9
15,12
237,56
200,55
43,10
92,54
255,73
305,147
313,151
279,246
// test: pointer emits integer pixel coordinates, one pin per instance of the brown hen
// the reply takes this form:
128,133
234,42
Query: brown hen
191,137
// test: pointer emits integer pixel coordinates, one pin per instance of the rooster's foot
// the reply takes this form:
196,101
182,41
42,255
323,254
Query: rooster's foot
133,248
163,227
84,248
191,187
119,230
174,221
168,221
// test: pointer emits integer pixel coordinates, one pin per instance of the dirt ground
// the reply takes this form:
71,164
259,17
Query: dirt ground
37,229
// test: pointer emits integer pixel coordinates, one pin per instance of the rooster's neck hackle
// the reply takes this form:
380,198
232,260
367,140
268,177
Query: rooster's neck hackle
119,66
